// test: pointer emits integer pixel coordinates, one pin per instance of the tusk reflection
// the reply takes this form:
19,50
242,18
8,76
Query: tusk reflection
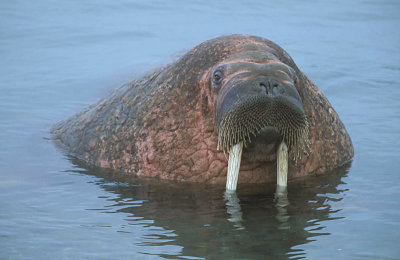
233,208
281,202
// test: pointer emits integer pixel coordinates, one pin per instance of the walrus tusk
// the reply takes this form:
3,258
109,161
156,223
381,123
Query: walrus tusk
282,165
235,155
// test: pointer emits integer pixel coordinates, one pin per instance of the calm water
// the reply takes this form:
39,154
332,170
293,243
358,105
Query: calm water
58,57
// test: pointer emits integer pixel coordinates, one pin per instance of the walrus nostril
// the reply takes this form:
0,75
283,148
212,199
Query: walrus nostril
264,88
275,90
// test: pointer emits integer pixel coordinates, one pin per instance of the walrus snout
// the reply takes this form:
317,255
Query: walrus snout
259,103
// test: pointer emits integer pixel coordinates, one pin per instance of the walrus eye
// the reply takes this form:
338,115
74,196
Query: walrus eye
217,77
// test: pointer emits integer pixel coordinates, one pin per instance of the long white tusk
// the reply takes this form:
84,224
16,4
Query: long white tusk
282,165
235,155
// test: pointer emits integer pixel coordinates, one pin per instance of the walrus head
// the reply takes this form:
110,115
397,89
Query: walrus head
230,91
258,104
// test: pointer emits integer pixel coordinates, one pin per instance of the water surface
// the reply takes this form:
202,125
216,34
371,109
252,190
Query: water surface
58,57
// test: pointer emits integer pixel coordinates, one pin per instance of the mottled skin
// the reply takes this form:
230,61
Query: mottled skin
164,125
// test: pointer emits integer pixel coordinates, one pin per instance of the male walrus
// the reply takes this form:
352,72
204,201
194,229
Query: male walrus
227,91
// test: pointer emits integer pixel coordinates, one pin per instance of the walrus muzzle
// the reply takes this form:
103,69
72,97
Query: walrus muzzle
243,113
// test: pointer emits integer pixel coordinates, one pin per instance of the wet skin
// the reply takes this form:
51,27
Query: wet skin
166,124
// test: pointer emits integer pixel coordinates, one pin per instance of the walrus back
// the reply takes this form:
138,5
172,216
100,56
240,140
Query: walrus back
103,133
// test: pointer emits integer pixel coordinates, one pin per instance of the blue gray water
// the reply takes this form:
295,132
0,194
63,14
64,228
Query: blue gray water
56,57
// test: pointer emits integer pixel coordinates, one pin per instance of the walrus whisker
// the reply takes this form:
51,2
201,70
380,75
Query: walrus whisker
250,117
234,127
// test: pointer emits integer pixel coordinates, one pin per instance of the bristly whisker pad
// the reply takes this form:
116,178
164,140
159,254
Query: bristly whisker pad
250,115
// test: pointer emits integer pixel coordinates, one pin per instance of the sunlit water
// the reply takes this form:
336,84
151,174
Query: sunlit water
56,57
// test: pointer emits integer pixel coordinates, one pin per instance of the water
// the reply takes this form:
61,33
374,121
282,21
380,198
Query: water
58,57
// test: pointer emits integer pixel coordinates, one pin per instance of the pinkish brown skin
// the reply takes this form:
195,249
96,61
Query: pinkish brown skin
164,125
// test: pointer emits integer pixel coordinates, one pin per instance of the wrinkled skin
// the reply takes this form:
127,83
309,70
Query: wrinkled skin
165,124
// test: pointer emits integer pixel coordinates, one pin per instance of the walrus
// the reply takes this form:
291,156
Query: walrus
235,96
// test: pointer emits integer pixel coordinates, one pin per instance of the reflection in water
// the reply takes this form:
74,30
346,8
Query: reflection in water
281,204
236,216
205,222
233,209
